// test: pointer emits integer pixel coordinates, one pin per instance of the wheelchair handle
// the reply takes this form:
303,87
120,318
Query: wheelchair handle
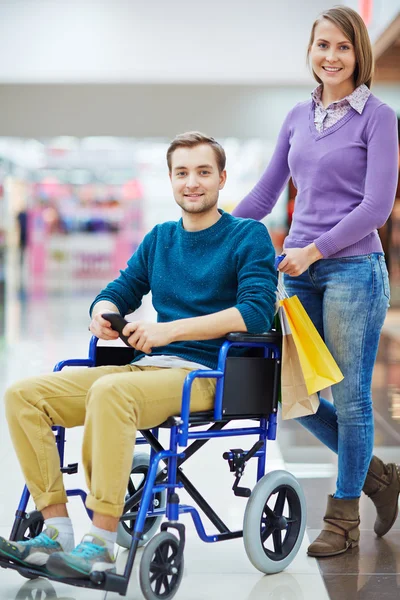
278,260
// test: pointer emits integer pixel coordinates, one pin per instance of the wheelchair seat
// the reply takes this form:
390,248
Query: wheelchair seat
205,418
248,392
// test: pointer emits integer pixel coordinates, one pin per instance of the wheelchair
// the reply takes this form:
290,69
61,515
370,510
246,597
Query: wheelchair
247,388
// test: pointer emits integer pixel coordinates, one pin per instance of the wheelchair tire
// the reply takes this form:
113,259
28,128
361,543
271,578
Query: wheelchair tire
157,580
274,522
29,527
140,467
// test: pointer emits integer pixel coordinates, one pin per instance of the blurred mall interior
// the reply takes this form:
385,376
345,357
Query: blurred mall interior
92,91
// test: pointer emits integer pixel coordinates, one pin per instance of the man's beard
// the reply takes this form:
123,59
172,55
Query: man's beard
196,209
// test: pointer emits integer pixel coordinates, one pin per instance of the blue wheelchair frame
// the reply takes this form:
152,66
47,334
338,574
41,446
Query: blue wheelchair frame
156,482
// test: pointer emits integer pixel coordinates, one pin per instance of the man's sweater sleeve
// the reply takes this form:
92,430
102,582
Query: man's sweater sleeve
257,278
127,291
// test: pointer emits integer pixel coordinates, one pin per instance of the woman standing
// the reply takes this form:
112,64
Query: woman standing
341,150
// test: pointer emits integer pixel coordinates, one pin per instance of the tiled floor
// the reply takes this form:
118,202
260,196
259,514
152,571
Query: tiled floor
44,329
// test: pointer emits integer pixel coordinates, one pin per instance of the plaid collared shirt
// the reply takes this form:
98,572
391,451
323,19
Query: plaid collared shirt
326,117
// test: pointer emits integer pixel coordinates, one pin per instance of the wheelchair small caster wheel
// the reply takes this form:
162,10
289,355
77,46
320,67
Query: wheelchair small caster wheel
159,574
139,470
274,522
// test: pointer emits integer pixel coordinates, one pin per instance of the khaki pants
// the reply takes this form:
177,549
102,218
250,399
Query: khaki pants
112,403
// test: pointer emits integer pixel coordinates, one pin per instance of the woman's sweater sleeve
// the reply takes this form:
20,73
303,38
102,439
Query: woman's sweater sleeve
263,197
380,186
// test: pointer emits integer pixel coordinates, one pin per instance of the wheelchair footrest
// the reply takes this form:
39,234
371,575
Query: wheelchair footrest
241,491
98,581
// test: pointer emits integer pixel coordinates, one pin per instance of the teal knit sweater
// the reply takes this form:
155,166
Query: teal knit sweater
191,274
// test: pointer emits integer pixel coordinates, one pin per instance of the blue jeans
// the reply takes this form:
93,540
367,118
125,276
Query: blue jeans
347,300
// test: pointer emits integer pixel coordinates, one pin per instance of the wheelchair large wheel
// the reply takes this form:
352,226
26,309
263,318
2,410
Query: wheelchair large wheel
274,522
140,468
159,574
29,527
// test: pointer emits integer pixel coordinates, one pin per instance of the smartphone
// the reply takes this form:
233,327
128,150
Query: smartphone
117,323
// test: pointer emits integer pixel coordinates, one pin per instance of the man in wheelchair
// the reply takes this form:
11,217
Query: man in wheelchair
210,274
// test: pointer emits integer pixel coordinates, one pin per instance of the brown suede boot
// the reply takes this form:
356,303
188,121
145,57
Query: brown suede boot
341,530
382,485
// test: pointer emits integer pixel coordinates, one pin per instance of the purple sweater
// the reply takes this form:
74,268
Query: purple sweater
345,178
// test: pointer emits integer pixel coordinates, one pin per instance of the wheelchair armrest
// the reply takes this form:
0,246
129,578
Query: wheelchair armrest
272,337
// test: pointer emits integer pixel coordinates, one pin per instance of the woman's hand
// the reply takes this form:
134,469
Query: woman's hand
297,260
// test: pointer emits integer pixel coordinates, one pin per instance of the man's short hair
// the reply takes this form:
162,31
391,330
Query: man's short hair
191,139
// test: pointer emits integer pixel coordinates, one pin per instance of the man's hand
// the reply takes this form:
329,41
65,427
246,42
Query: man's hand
297,260
102,328
145,336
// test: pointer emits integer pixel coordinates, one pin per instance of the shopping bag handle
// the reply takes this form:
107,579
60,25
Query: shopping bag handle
278,260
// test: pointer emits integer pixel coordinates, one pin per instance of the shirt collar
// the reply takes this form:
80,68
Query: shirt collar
356,99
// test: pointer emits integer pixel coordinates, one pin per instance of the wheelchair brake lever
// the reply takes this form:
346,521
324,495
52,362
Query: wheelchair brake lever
257,446
237,457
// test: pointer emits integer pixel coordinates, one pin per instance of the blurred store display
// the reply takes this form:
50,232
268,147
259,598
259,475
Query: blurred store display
74,210
390,236
2,261
3,245
82,233
78,208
